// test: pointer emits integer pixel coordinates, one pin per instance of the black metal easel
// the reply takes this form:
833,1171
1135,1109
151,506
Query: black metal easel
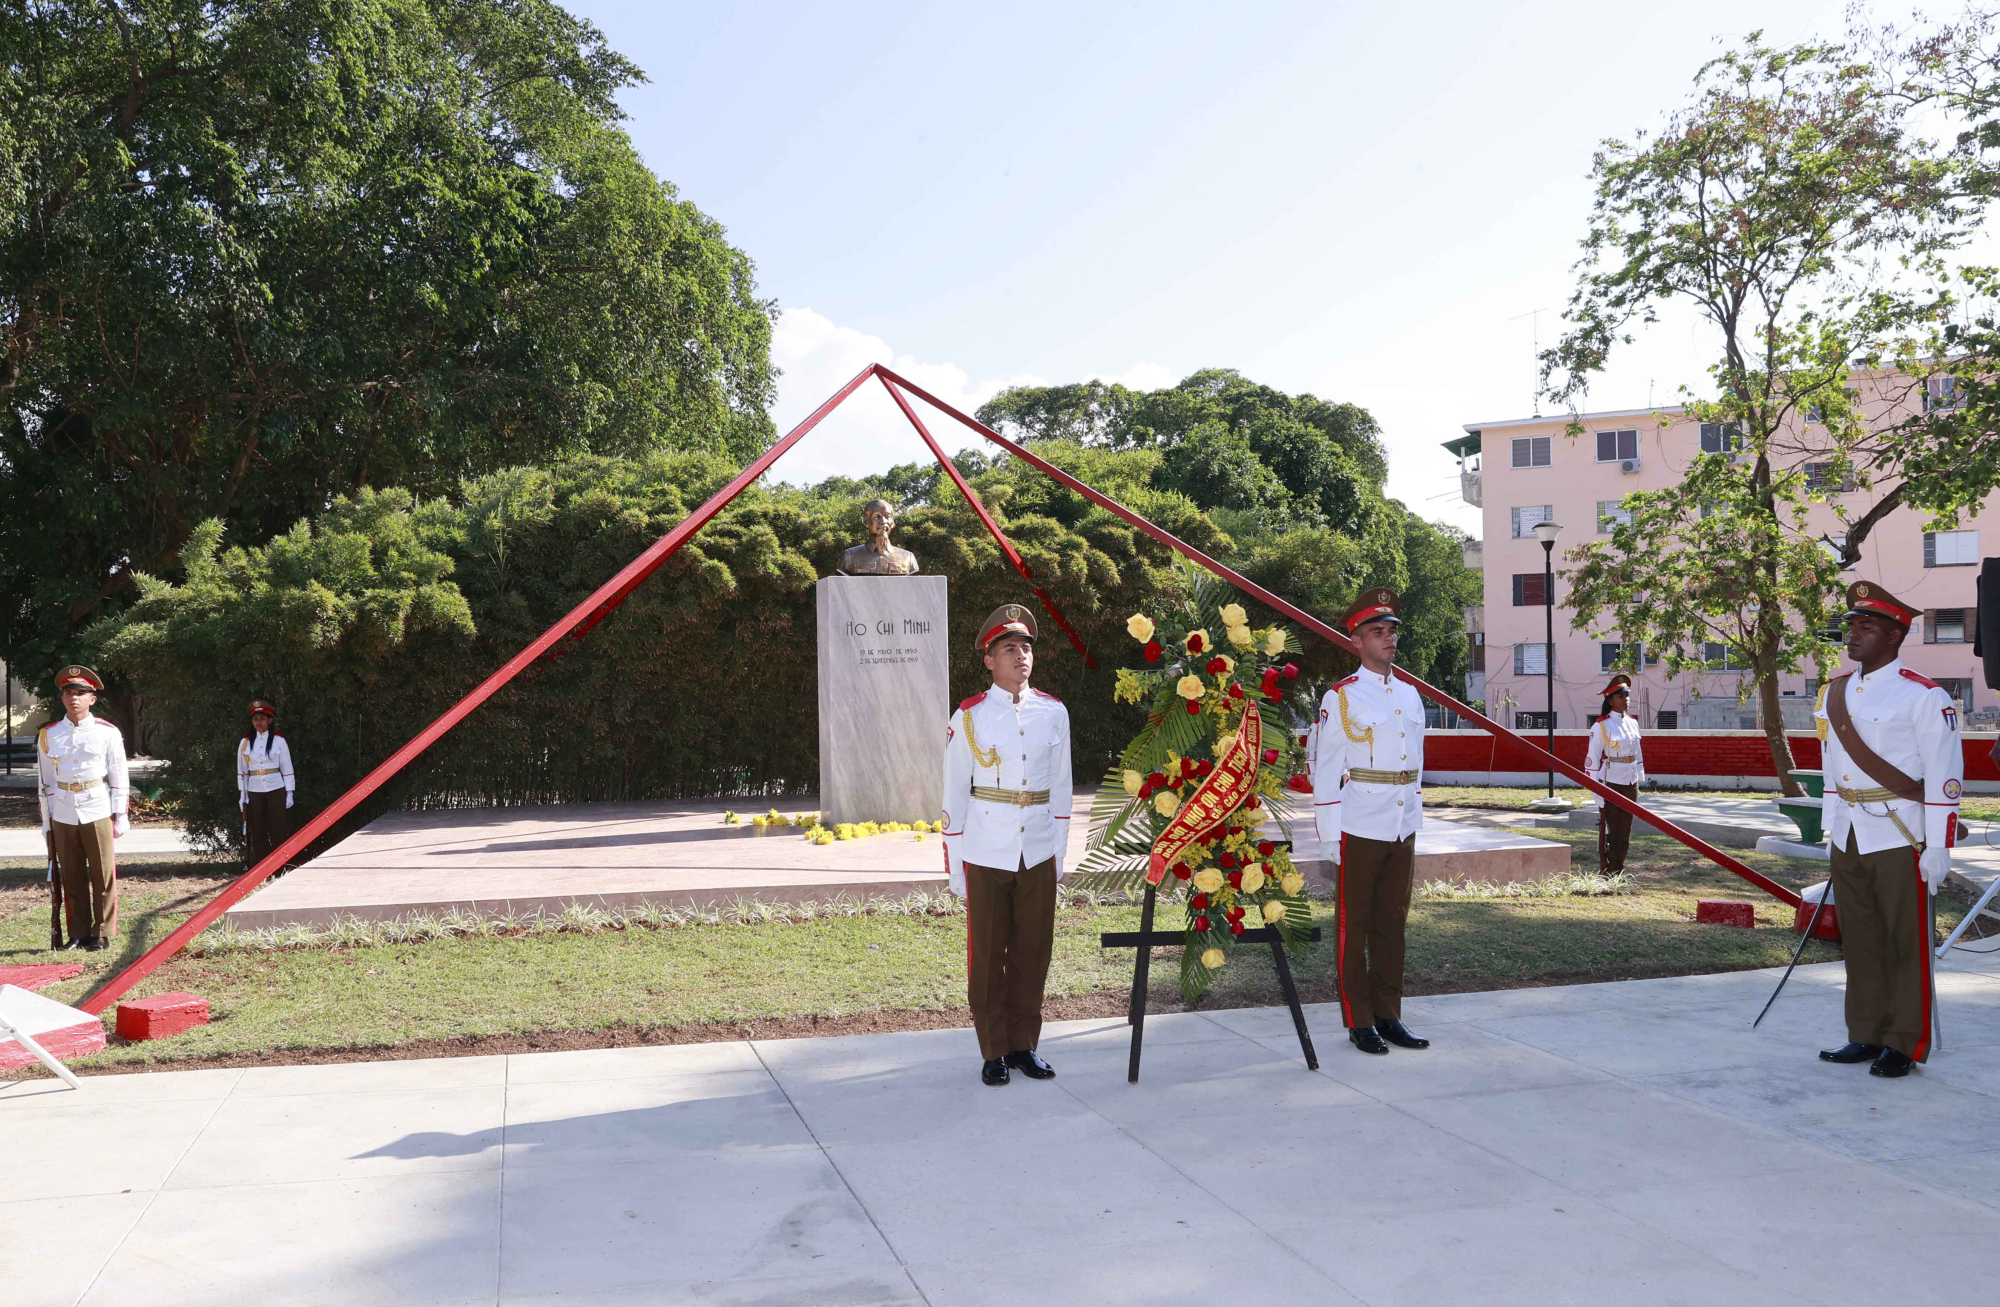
1146,939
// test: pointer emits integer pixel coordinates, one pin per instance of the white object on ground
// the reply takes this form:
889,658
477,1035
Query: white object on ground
25,1014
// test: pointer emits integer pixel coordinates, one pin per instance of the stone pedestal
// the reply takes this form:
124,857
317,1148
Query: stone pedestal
884,696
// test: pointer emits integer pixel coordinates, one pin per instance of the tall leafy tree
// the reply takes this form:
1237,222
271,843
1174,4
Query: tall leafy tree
258,256
1791,206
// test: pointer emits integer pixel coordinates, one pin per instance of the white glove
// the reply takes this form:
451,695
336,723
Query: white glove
120,823
1935,865
956,881
243,802
288,798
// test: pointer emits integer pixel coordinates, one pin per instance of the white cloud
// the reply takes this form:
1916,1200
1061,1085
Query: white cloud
867,433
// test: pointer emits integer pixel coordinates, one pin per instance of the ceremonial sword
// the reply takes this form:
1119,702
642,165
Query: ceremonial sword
1818,907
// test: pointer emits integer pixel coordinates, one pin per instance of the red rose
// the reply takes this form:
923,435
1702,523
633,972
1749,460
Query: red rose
1194,643
1291,671
1227,860
1236,880
1152,651
1235,690
1302,741
1181,871
1215,666
1194,706
1300,785
1250,804
1236,928
1204,767
1145,791
1236,914
1157,781
1265,848
1200,924
1270,755
1200,902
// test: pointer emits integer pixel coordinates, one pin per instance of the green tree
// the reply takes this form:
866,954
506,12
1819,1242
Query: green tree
256,257
1792,208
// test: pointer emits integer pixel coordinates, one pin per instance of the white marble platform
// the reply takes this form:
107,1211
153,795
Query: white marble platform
524,860
1629,1143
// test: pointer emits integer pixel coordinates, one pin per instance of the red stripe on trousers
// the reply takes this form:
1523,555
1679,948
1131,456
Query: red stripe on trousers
1923,1049
1340,935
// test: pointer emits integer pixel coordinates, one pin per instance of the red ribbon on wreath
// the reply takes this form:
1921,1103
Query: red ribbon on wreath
1233,780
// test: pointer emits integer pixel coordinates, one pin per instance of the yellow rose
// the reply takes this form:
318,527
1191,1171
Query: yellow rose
1233,615
1274,641
1274,911
1132,780
1141,627
1239,636
1208,880
1292,884
1188,687
1212,958
1166,801
1253,879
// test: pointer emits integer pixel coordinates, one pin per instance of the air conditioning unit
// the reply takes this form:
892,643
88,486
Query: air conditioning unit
1628,465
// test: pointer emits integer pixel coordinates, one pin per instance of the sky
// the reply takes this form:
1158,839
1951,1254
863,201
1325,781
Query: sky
1367,202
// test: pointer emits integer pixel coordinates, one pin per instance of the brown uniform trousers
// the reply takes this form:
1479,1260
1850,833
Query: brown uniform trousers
89,875
1885,933
1617,828
269,824
1010,929
1371,912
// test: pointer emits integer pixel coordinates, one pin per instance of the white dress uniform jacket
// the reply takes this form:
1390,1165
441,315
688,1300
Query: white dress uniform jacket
1910,722
1006,742
1375,723
90,756
264,763
1614,757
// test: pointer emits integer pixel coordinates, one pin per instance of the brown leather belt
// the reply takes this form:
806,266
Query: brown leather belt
1016,798
1369,776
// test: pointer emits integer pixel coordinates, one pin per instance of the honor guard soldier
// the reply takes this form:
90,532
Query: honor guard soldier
1894,769
264,784
85,793
1614,760
1006,825
1368,766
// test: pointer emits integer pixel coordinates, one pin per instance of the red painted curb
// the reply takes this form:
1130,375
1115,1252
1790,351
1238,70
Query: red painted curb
38,975
63,1043
1829,921
1725,912
161,1015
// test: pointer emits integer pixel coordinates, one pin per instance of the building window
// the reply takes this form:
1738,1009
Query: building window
1608,656
1534,721
1615,445
1823,476
1945,626
1531,660
1526,519
1610,516
1835,547
1951,548
1940,392
1531,451
1716,438
1531,590
1724,657
1476,653
1959,688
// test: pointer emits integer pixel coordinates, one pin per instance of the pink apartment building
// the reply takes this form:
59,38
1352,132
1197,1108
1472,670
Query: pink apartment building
1526,470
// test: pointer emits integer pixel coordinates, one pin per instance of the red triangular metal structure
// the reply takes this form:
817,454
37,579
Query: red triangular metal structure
614,592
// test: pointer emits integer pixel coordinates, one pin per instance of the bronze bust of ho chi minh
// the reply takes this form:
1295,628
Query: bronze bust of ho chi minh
878,557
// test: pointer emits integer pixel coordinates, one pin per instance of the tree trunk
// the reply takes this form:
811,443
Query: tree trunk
1774,731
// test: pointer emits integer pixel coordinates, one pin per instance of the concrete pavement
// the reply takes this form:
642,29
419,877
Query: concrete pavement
1631,1143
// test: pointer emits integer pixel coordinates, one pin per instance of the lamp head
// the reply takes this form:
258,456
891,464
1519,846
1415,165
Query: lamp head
1546,532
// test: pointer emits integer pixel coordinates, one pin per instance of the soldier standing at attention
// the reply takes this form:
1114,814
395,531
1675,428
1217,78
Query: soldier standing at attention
85,793
1371,737
1006,823
1614,761
263,774
1893,751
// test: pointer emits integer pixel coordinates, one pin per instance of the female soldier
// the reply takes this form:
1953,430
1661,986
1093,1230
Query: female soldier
263,775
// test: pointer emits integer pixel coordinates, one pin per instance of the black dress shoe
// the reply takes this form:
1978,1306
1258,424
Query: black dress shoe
994,1072
1365,1039
1392,1030
1029,1063
1892,1064
1851,1053
98,944
74,944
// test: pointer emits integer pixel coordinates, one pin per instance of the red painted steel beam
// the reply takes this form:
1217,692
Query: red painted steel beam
581,618
1549,760
992,527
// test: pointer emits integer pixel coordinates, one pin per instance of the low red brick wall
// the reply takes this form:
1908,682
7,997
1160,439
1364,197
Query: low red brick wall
1717,755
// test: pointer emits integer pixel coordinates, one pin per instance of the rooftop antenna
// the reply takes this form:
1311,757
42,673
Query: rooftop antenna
1536,328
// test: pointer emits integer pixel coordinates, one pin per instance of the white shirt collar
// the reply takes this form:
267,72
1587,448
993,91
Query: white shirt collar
88,720
1888,669
1007,695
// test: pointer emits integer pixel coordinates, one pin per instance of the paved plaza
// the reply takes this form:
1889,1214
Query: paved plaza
1623,1143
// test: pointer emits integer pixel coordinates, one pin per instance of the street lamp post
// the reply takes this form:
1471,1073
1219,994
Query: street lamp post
1546,532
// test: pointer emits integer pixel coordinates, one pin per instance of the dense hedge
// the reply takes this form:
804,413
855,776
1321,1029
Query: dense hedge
365,623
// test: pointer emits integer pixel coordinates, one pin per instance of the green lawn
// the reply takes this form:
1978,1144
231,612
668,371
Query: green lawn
714,979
